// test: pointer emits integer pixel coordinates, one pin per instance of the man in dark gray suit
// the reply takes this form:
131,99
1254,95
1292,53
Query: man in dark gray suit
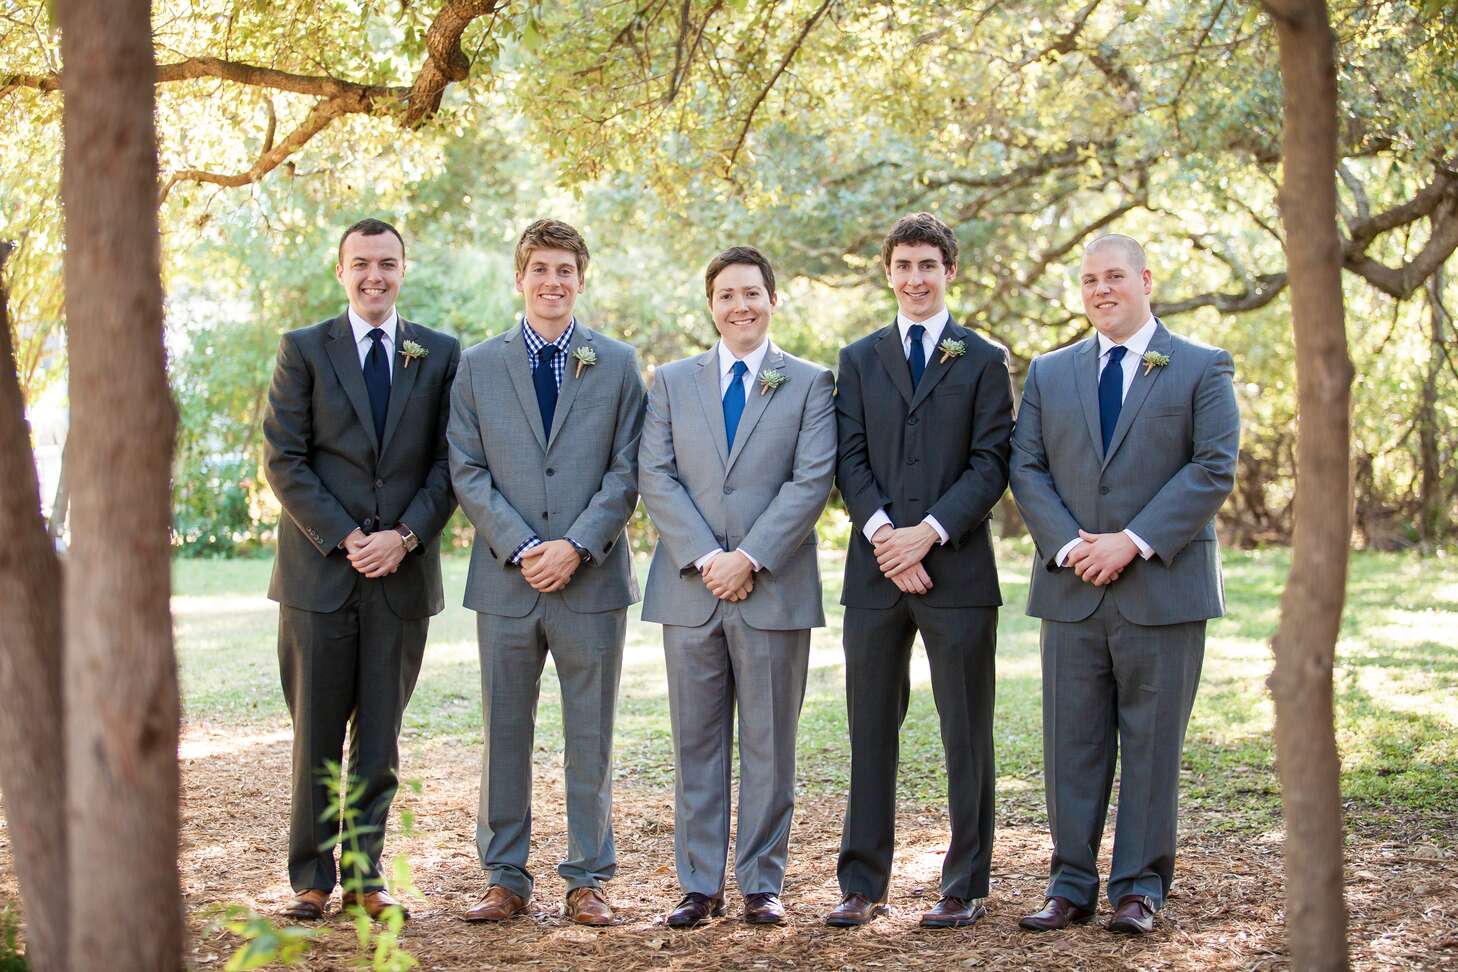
925,411
1125,449
544,428
354,439
736,463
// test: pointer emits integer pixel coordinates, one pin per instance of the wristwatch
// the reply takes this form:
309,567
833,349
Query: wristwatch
407,537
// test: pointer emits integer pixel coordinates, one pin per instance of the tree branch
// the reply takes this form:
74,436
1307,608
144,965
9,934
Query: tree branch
808,26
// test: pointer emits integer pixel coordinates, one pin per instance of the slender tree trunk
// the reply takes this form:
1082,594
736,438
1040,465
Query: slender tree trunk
1311,606
57,523
1430,484
32,745
120,671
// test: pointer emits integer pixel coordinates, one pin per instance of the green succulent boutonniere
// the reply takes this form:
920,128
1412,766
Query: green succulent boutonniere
1153,359
952,349
585,358
411,350
770,380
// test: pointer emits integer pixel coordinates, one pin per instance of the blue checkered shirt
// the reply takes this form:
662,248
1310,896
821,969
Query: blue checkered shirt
534,344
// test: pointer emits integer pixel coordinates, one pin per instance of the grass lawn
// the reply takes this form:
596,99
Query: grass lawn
1396,682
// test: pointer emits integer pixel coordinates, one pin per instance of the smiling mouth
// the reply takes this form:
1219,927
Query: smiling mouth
917,294
372,291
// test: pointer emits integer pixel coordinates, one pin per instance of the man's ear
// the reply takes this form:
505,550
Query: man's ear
1148,281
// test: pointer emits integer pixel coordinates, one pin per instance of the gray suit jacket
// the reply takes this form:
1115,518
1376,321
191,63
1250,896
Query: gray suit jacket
764,495
1170,465
516,480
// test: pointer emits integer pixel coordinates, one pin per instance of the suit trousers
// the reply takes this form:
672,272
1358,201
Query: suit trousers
961,645
354,667
712,667
587,652
1110,684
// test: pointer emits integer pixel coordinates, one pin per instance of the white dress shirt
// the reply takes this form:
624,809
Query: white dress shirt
362,342
726,360
929,340
1134,349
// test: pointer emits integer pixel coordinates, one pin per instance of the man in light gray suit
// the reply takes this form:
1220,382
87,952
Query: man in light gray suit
1125,448
736,462
543,438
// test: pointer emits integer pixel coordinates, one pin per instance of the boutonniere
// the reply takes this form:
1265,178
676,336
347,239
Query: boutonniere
411,350
1153,359
952,349
770,380
585,358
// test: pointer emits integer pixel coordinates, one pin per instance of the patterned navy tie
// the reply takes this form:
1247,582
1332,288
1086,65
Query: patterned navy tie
734,400
918,353
1111,394
377,382
545,380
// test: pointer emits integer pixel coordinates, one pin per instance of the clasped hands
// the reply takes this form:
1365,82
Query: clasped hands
728,576
899,554
549,565
1101,557
374,554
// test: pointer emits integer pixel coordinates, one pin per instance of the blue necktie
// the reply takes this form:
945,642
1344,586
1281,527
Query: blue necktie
1111,394
545,380
918,353
734,400
377,382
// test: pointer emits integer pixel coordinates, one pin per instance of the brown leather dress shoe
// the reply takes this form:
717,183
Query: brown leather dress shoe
498,905
953,912
1057,913
763,908
374,903
1134,917
310,905
854,909
589,906
694,909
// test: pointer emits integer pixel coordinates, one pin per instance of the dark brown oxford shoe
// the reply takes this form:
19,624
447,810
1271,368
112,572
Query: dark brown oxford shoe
763,908
310,905
855,909
1057,913
374,903
498,905
589,906
695,909
952,912
1135,915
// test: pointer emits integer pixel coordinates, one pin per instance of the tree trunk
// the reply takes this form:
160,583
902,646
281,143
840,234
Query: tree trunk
1431,502
32,746
120,672
1311,606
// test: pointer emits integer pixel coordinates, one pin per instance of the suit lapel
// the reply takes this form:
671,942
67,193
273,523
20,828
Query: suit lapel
345,357
712,402
758,401
888,349
513,348
1086,377
936,368
570,383
1144,379
401,381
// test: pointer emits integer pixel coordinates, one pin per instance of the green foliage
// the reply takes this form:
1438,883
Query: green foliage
11,959
264,943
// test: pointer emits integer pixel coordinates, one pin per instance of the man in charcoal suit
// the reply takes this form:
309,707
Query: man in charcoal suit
1125,448
543,434
735,465
925,411
354,439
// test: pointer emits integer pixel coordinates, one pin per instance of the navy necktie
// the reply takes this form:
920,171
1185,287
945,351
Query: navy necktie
1111,394
377,381
545,379
734,400
918,353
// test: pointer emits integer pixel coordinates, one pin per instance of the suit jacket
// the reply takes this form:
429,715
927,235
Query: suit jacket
941,448
1170,465
765,494
577,479
330,474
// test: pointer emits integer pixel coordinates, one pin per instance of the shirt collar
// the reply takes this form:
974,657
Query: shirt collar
535,342
934,325
362,327
1137,344
752,360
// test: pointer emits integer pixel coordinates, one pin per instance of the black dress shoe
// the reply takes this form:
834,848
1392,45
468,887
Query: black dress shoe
762,908
855,909
951,912
1057,913
1135,915
695,909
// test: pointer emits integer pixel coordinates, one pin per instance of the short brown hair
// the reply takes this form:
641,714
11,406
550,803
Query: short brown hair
920,228
1132,250
550,234
746,255
371,227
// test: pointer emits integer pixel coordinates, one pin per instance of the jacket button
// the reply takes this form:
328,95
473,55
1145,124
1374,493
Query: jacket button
913,420
1103,491
551,471
379,484
911,460
545,514
728,490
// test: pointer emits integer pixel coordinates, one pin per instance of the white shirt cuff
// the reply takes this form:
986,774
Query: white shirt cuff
877,521
1145,550
1065,550
931,521
703,561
